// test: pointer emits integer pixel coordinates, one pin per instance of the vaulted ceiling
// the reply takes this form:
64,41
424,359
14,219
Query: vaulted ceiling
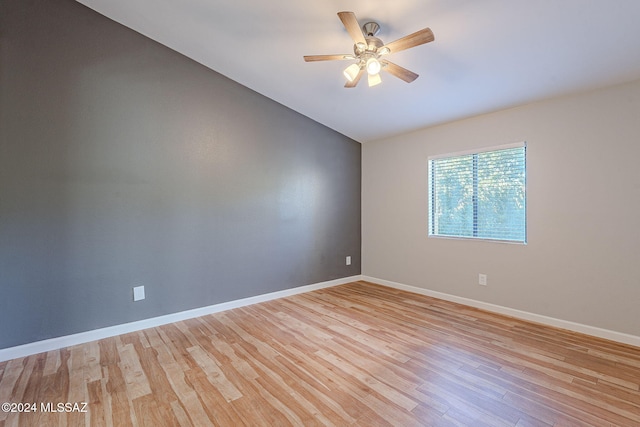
487,55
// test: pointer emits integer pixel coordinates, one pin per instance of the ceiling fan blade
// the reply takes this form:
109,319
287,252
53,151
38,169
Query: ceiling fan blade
406,42
353,28
313,58
356,80
398,71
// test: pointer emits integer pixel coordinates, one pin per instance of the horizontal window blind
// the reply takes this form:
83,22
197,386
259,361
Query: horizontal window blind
479,194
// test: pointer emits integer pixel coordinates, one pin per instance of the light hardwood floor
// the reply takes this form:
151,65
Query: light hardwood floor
358,354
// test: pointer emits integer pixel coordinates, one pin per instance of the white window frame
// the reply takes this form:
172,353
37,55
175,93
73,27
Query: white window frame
430,233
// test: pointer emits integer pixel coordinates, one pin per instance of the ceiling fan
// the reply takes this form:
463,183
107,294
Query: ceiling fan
368,51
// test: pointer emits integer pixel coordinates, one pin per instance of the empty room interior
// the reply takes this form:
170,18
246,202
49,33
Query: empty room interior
284,213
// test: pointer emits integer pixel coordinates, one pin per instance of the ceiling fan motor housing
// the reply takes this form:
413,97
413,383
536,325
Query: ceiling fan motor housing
370,50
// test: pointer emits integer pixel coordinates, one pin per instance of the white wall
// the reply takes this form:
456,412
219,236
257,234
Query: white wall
582,260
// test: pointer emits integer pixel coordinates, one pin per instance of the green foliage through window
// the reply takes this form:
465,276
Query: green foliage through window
479,195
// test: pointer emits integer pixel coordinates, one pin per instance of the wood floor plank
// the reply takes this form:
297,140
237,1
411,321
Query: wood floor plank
152,413
134,376
98,414
52,364
108,352
183,419
188,410
212,401
116,388
13,370
93,367
215,375
358,354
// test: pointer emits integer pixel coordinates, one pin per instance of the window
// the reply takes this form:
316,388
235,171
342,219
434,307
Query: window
479,194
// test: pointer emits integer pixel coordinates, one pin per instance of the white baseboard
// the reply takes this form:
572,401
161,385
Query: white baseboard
98,334
519,314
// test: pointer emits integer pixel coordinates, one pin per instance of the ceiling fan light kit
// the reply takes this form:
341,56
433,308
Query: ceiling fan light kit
368,51
373,66
351,72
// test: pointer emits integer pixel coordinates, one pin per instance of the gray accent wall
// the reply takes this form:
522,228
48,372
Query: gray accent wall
124,163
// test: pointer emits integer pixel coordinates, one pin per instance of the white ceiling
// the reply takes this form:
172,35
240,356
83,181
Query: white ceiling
488,54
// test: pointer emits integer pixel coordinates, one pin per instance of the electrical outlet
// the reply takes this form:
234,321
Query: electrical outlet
138,293
348,260
482,279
